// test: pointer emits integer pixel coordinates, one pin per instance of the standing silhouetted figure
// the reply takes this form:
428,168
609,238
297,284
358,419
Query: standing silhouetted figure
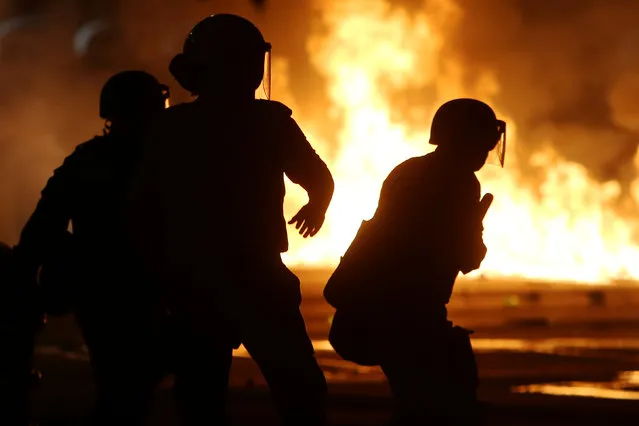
393,284
93,270
209,214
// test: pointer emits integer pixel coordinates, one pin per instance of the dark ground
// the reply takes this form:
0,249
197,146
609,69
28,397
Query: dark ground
525,334
65,398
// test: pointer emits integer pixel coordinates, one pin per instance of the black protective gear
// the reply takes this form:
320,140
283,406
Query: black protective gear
93,271
223,47
130,95
464,121
226,34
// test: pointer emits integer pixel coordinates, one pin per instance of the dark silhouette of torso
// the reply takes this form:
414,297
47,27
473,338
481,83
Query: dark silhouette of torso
212,187
402,266
99,174
426,213
88,191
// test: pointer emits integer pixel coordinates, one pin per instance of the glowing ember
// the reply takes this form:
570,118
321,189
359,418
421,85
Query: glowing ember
567,231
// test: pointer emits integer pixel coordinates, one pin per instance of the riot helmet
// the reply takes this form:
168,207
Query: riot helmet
224,51
131,96
470,125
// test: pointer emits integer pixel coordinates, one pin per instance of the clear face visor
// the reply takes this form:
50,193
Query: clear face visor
498,154
264,91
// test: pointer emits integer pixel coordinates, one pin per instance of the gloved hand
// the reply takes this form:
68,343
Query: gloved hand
308,220
478,250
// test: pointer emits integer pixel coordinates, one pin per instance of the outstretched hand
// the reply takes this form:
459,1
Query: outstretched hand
308,221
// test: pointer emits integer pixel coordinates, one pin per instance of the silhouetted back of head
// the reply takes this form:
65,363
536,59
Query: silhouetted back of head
223,54
131,98
468,128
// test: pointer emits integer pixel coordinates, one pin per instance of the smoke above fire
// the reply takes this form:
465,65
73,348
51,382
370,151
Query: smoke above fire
562,77
364,78
568,73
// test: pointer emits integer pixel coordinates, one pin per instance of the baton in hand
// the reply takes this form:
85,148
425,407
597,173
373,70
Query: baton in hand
484,204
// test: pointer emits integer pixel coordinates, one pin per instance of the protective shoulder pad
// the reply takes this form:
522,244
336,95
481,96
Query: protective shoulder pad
274,107
90,146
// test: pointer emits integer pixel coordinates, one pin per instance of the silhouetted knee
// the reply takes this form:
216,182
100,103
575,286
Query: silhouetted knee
298,388
201,382
309,381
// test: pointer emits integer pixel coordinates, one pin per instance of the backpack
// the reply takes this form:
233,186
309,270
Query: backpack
351,289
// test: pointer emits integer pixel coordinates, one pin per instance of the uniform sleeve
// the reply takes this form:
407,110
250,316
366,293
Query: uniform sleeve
395,189
50,220
304,167
460,227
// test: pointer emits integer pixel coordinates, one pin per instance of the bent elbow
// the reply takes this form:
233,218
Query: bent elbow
329,184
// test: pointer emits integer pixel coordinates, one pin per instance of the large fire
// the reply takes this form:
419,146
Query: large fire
367,50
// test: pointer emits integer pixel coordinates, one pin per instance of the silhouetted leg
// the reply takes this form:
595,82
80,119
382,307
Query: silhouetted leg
278,342
125,370
122,395
202,371
431,382
15,379
19,322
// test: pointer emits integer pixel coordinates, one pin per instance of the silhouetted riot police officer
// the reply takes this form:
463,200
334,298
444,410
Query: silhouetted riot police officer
92,270
394,282
209,218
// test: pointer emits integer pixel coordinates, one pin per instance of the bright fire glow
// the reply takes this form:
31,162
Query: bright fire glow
567,231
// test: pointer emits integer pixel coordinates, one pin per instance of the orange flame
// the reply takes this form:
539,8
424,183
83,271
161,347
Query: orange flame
570,233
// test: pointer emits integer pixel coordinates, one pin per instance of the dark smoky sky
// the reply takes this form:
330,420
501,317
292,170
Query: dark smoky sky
568,70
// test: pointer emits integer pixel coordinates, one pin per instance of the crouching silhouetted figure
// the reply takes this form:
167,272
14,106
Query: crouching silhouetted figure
394,282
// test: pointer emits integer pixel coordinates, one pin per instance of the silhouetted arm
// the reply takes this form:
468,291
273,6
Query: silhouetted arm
304,167
50,220
463,243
